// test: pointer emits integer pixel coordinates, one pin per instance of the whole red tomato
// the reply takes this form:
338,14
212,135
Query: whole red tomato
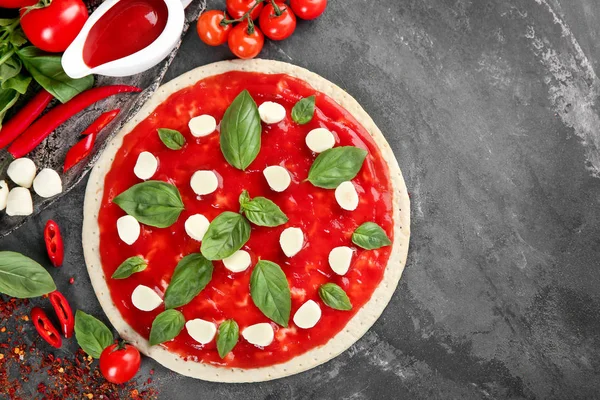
237,8
16,3
244,44
120,362
277,23
308,9
210,29
54,27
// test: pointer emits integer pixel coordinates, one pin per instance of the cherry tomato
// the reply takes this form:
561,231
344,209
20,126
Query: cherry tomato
210,29
237,8
120,362
277,27
244,44
16,3
54,27
308,9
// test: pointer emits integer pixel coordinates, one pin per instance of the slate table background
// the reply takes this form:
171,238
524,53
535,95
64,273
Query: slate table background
491,109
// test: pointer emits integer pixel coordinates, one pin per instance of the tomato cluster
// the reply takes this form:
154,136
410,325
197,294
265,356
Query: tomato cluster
276,20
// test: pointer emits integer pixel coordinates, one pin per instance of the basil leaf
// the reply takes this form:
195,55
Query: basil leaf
335,297
130,267
171,138
270,291
153,203
303,111
240,131
17,37
8,98
229,333
22,277
20,83
261,211
166,326
226,234
335,166
10,68
47,70
91,334
192,274
370,236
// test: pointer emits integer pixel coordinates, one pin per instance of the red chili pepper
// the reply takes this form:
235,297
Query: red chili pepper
54,243
45,328
63,312
25,117
100,122
59,114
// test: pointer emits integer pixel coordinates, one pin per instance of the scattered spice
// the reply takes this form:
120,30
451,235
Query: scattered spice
72,280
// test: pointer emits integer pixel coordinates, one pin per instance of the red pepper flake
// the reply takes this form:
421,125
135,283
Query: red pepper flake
72,280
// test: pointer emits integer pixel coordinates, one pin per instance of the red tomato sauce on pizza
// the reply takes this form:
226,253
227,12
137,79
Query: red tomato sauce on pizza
314,210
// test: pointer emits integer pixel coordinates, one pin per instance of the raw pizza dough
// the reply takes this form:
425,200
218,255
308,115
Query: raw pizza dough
357,326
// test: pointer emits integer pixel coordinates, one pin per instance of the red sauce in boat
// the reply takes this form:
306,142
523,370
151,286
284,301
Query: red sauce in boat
127,27
314,210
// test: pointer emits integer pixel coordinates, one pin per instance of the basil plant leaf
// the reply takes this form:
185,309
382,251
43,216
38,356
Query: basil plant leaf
229,333
91,334
22,277
304,110
270,291
225,235
370,236
8,98
171,138
20,83
335,297
335,166
166,326
240,131
129,267
192,274
261,211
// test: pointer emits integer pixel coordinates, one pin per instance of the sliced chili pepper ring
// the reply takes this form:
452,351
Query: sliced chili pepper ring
63,312
45,328
54,243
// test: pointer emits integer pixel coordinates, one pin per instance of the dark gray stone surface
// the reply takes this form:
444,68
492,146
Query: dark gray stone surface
491,109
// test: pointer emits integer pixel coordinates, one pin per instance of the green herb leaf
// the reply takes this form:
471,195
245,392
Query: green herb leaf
229,333
22,277
20,83
370,236
130,267
91,334
47,70
192,274
335,166
304,110
226,234
17,37
153,203
8,98
240,131
166,326
261,211
270,291
10,68
171,138
335,297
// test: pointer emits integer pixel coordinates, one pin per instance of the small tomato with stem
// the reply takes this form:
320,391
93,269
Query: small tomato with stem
120,362
237,8
277,21
210,30
308,9
246,40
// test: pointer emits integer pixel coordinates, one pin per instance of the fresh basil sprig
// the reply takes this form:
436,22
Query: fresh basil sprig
171,138
225,235
153,203
91,334
335,166
22,277
370,236
270,291
129,267
228,336
304,110
240,131
166,326
335,297
192,274
261,211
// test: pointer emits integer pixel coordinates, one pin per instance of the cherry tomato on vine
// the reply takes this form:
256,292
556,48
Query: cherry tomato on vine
16,3
244,44
237,8
274,26
308,9
120,362
53,27
210,29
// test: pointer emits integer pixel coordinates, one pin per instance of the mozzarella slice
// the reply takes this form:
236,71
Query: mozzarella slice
128,229
3,194
204,182
202,125
22,171
238,261
145,166
307,315
200,330
291,241
339,259
271,112
19,202
277,177
346,196
47,183
196,226
259,334
319,140
145,299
